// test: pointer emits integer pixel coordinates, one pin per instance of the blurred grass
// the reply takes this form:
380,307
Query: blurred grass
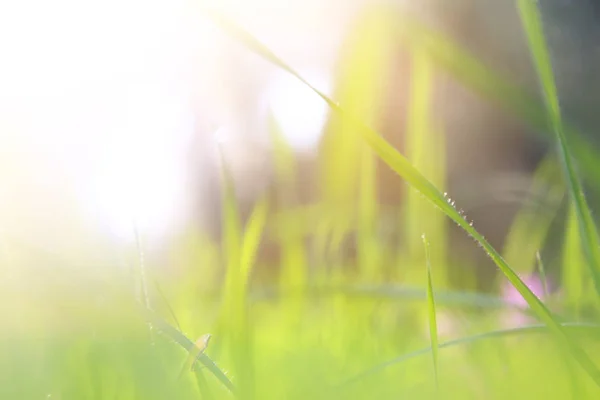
589,234
531,226
313,333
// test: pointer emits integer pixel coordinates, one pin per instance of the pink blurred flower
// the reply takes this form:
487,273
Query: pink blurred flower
514,317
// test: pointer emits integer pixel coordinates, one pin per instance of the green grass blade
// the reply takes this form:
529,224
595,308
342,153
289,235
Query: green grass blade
433,332
412,176
589,235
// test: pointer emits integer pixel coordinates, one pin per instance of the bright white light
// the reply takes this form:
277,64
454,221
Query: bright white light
300,113
99,92
140,176
102,94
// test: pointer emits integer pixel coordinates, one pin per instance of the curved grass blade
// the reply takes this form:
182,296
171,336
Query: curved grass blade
433,333
188,345
590,240
398,163
530,329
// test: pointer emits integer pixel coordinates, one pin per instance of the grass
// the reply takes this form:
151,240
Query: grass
589,234
321,329
433,330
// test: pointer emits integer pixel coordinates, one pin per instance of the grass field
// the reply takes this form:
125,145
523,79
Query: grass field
314,331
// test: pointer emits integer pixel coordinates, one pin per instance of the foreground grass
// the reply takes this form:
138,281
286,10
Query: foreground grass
100,343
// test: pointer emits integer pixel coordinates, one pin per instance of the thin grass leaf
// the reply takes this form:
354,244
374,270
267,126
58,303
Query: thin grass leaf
579,328
402,167
433,331
532,24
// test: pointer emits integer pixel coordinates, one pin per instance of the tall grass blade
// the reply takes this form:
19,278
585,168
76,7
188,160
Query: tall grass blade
532,24
412,176
433,332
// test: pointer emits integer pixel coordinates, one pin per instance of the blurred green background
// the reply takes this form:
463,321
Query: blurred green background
440,241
